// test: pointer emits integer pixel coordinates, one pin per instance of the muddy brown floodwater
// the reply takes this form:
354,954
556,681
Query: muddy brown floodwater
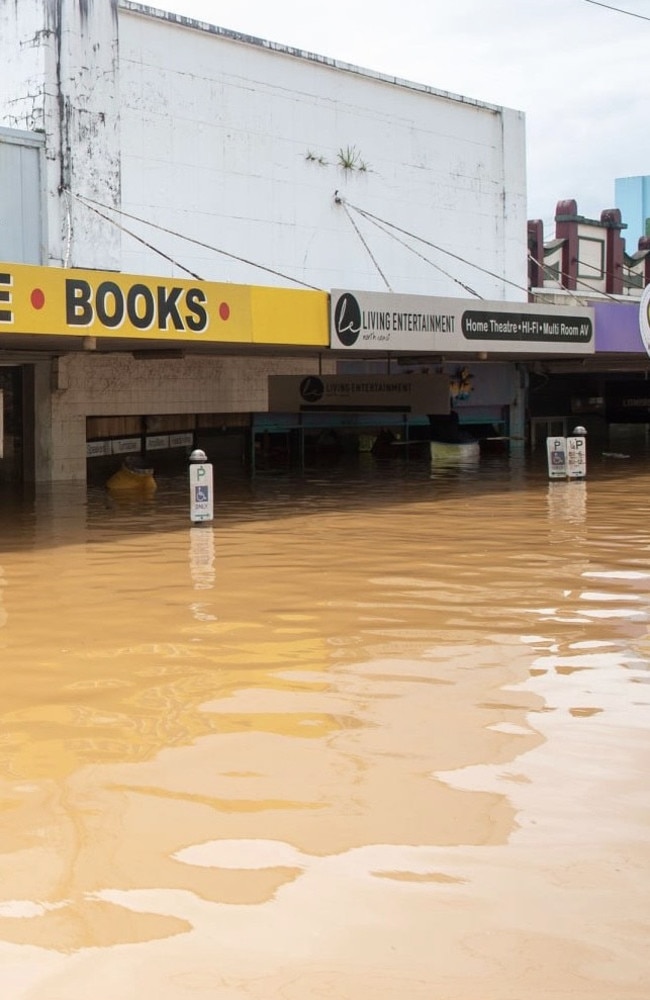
377,732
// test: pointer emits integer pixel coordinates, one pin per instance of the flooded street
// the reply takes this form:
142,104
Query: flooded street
374,733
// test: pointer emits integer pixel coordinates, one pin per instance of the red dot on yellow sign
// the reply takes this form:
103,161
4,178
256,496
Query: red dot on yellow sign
224,311
38,298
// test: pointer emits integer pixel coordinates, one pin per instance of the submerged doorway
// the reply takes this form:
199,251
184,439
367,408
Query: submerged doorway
16,461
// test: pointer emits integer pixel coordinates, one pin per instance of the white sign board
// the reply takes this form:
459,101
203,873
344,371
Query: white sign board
98,449
383,321
402,393
126,446
157,442
557,457
181,440
201,493
576,456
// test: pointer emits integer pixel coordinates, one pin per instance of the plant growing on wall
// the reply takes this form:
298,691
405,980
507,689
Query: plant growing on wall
313,157
348,158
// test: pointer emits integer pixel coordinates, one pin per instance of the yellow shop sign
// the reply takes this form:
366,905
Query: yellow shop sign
70,302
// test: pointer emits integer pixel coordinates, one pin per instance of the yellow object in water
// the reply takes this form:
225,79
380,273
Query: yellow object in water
132,480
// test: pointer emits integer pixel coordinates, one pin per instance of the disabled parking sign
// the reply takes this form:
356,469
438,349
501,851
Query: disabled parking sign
201,492
567,456
556,448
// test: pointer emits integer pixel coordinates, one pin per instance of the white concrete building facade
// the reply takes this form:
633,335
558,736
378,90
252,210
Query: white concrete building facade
175,148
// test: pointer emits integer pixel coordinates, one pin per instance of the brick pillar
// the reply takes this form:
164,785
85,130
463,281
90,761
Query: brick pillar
615,250
536,252
566,228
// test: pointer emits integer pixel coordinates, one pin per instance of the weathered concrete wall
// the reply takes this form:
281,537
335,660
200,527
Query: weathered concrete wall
59,76
22,67
84,56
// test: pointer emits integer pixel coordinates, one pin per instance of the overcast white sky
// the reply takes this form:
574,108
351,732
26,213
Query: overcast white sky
578,71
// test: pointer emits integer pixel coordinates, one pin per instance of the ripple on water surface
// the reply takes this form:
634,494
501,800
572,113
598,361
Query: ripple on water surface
379,730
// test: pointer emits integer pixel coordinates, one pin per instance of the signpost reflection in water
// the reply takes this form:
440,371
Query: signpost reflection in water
373,735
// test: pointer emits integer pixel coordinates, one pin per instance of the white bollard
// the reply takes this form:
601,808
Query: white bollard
201,492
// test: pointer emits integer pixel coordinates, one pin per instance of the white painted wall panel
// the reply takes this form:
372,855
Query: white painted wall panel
215,135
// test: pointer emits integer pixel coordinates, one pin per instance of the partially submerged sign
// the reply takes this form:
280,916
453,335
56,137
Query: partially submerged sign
567,456
576,457
417,394
201,492
556,455
382,321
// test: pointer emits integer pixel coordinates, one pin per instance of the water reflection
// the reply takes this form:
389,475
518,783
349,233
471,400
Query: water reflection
274,754
202,557
3,613
567,501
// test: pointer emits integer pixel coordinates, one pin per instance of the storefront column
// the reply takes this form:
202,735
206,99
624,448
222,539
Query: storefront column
42,462
518,408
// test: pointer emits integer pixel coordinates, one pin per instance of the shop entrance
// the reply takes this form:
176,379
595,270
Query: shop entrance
15,436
